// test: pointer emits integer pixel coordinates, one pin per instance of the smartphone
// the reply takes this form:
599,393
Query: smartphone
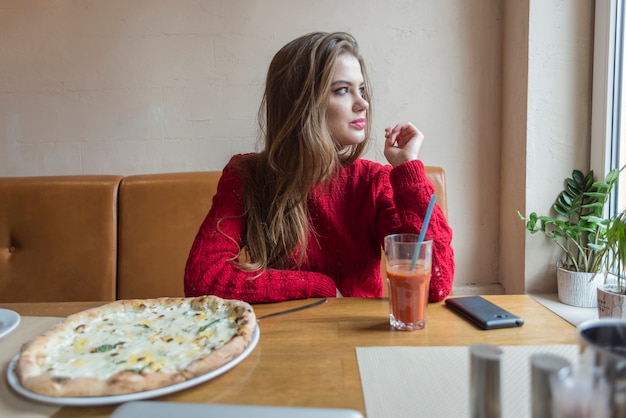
482,313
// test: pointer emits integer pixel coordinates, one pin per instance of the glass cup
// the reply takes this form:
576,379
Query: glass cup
408,277
603,357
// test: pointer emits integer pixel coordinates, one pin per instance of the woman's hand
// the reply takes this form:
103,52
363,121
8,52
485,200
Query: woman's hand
402,143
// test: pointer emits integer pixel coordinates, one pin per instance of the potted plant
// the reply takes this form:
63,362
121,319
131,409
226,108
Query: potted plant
612,293
578,228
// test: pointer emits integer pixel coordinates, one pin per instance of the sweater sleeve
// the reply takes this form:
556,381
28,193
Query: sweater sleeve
411,190
209,269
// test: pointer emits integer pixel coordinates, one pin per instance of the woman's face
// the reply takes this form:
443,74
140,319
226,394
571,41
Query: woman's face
346,114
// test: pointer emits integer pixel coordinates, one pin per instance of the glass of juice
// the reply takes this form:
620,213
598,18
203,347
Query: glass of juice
408,277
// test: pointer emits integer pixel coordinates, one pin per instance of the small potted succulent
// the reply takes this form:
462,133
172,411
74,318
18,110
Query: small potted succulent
578,227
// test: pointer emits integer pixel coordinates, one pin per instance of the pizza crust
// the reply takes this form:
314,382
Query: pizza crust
38,356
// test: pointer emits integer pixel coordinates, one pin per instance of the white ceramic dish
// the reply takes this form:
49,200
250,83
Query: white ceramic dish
9,320
116,399
156,409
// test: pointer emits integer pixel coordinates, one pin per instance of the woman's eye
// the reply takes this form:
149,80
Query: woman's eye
362,91
341,90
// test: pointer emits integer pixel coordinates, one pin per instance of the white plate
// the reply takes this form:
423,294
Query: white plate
14,382
161,409
9,320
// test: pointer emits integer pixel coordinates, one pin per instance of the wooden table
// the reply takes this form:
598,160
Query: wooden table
308,358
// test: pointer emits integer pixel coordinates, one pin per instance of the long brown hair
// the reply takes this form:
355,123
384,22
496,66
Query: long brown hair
299,151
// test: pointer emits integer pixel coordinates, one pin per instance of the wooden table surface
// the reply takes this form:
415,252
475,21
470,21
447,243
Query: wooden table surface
308,358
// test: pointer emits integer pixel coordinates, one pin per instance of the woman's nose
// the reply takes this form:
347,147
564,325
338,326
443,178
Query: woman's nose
361,104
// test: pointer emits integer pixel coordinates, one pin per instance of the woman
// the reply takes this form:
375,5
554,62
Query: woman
306,216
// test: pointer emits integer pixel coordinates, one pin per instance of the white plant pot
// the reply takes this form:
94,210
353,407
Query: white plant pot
578,289
610,303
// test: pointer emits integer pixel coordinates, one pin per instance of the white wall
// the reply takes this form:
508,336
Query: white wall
559,116
141,86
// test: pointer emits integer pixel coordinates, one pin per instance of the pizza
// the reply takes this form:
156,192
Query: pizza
129,346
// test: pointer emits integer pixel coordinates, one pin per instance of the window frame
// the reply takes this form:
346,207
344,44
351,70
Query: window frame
606,90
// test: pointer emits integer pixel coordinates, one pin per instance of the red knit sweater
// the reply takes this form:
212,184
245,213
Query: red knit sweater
364,203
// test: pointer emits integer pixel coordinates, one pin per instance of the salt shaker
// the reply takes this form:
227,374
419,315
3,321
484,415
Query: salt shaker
543,368
485,381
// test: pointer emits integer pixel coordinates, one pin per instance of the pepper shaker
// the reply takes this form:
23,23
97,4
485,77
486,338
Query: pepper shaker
485,381
543,368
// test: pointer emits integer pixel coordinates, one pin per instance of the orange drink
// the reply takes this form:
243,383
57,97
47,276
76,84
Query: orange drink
408,296
408,276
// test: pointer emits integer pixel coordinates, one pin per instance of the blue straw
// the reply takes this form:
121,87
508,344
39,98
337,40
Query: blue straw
422,235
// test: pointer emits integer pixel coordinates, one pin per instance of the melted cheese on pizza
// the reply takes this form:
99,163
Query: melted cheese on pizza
155,339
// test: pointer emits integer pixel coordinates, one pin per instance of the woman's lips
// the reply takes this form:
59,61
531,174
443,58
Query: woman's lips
358,123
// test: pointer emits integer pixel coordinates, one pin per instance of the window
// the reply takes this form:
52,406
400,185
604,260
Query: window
608,123
618,150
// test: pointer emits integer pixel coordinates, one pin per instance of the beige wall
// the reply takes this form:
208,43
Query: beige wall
141,86
559,116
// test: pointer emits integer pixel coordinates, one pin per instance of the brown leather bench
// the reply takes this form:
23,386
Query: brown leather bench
160,215
72,238
437,177
58,238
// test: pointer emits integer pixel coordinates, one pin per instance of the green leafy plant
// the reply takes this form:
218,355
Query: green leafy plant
579,225
614,252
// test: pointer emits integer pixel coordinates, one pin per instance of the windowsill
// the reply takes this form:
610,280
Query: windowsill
571,314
